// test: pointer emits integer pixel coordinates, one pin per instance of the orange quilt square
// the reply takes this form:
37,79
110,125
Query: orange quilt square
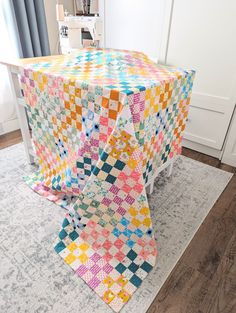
114,95
105,102
78,109
112,114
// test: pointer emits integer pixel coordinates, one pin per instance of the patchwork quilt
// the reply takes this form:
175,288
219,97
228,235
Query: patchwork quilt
103,121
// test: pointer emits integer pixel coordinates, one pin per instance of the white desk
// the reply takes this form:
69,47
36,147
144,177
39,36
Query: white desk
13,67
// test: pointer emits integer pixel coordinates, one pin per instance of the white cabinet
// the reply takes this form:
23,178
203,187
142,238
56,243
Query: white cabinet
202,36
198,34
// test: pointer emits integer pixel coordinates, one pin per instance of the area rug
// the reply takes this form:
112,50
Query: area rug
32,276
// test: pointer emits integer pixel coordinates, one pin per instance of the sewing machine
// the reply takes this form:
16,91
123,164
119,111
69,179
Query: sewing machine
70,32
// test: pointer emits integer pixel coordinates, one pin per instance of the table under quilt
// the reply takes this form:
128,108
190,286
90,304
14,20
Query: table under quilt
103,121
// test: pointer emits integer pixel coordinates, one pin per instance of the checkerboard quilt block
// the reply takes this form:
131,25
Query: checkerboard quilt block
103,121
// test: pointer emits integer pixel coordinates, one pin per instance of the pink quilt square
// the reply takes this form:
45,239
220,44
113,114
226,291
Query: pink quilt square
81,270
95,269
94,282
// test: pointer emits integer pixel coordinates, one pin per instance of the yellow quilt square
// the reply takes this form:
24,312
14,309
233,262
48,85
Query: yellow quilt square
124,296
70,258
148,94
158,90
136,222
84,246
122,281
108,296
144,211
147,222
132,163
108,281
72,246
83,258
133,211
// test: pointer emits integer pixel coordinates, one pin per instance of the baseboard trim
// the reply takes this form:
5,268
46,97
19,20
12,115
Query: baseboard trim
202,148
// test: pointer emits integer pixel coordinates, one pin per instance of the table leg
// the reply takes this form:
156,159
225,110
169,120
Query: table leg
21,114
169,169
149,188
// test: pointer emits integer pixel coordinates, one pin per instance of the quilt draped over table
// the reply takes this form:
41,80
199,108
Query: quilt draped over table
103,121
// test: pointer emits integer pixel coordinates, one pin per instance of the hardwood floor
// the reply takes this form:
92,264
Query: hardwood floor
10,139
204,279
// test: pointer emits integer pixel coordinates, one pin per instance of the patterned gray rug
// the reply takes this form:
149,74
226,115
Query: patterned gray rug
33,278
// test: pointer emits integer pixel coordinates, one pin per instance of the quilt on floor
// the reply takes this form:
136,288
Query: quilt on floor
102,122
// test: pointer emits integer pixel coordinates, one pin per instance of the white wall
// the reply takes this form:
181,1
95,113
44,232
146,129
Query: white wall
134,25
50,10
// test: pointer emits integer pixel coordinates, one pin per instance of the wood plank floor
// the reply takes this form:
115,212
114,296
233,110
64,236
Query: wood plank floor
204,279
10,139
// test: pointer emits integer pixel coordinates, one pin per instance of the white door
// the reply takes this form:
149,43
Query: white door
203,37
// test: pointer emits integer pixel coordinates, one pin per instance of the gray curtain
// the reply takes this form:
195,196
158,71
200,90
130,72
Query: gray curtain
29,22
